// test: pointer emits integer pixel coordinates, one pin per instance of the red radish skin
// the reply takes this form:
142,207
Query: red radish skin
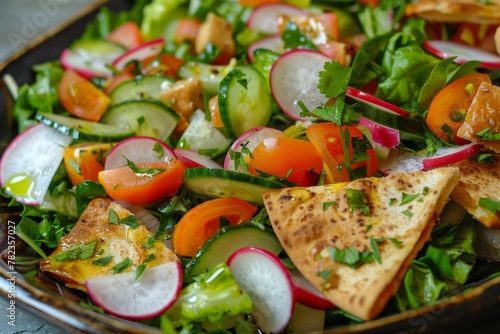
141,52
375,101
306,294
462,52
268,282
381,134
138,149
264,18
154,292
450,155
37,152
273,43
71,60
252,137
294,77
191,159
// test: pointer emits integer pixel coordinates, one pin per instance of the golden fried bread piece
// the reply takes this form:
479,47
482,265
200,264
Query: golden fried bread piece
313,222
112,239
482,12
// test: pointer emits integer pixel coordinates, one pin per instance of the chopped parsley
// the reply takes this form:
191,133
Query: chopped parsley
490,204
326,205
77,252
239,157
143,171
130,221
448,131
375,250
113,217
407,213
350,256
407,198
102,261
396,242
457,116
357,201
122,266
325,275
392,201
159,150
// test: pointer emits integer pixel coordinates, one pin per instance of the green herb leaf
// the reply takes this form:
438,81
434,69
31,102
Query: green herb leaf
396,242
131,221
486,134
103,260
407,213
294,38
326,205
375,250
368,227
77,252
139,271
392,201
143,171
149,258
407,198
113,217
490,204
141,120
325,275
119,267
160,151
334,79
448,131
350,256
357,200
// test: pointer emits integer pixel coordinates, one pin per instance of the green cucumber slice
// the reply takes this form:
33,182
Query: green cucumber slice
83,130
145,88
209,75
226,242
217,182
144,118
244,100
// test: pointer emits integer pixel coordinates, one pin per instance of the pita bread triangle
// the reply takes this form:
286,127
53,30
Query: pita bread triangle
316,224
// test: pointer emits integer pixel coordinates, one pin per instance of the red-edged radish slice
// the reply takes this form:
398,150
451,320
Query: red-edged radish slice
449,155
141,52
191,158
30,161
381,134
88,64
267,281
147,297
306,294
374,101
265,18
251,139
464,53
138,149
295,76
273,43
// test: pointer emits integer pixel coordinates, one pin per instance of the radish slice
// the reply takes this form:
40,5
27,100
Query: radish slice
306,294
267,281
374,101
381,134
191,158
30,161
273,43
265,18
251,138
449,155
138,149
149,296
141,52
295,76
87,64
464,53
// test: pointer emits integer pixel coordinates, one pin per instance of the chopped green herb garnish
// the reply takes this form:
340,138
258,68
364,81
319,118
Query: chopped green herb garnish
149,258
369,227
122,266
375,250
448,131
392,201
143,171
357,200
325,275
131,221
396,242
139,271
159,150
239,157
486,134
103,260
407,213
457,116
350,256
490,204
77,252
326,205
407,198
425,191
141,120
113,217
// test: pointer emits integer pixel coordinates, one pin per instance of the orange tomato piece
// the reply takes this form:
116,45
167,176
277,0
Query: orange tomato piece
128,34
81,98
327,139
202,222
123,184
164,64
213,106
84,161
285,157
255,3
187,30
448,108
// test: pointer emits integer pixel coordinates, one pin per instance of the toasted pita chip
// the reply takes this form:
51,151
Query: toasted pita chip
315,221
112,239
479,180
473,11
483,115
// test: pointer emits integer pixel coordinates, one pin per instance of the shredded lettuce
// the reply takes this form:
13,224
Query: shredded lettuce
157,15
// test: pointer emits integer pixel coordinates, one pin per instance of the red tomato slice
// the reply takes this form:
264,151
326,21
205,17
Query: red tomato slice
334,50
448,108
123,184
187,30
201,222
85,161
81,98
279,156
128,34
326,137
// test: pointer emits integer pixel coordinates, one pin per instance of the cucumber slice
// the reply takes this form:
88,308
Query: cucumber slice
145,88
226,242
210,75
82,130
216,182
145,118
244,100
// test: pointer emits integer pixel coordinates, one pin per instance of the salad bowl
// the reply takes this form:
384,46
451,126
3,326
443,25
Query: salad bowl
472,309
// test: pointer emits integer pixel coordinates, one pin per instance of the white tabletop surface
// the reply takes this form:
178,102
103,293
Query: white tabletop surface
20,21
